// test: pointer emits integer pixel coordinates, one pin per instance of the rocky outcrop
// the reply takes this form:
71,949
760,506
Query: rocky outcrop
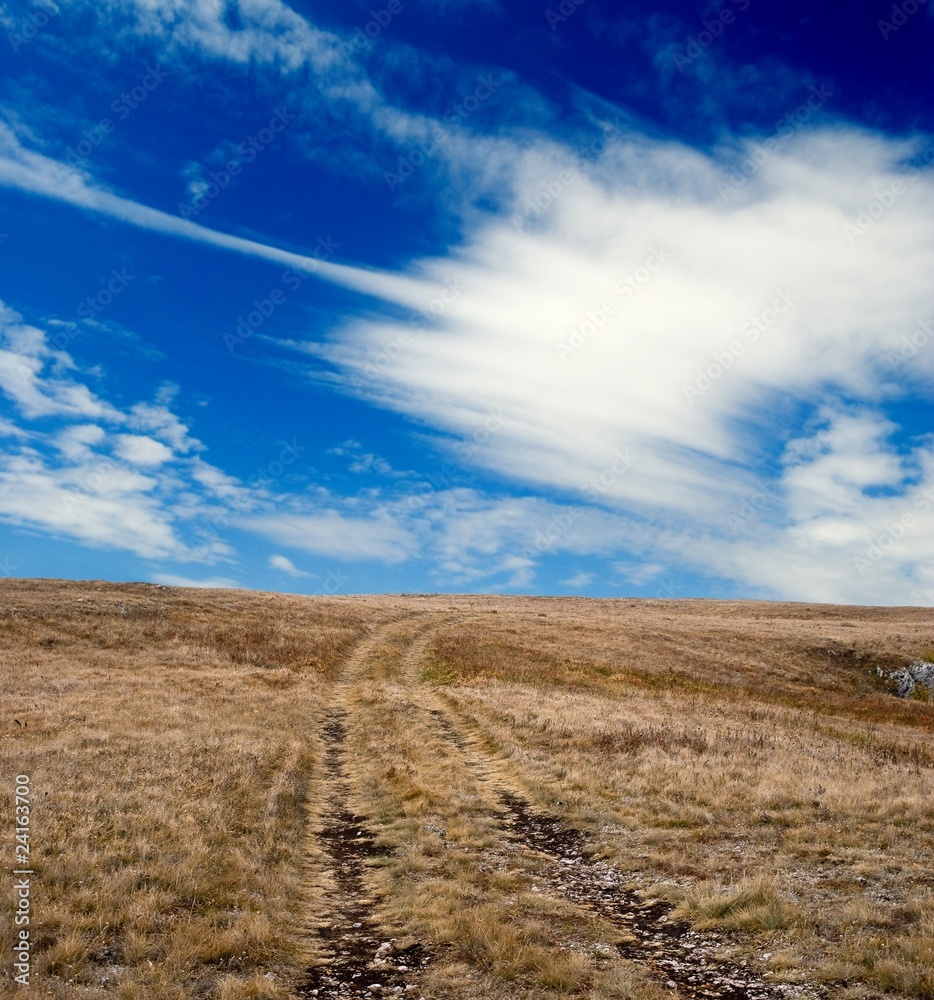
911,681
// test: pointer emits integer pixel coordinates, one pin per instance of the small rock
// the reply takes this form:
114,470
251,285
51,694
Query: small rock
386,948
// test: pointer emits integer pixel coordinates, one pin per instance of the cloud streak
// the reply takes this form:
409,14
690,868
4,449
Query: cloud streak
763,309
37,174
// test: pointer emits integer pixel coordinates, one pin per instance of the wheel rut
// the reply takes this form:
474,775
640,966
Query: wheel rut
360,959
679,956
674,954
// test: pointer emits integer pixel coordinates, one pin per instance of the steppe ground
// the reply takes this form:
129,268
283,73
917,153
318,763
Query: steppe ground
240,795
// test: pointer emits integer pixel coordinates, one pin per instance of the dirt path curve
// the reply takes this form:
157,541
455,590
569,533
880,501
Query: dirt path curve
674,954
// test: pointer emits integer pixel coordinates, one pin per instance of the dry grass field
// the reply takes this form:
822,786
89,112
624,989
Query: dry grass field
239,795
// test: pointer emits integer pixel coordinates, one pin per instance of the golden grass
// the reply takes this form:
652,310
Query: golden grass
471,892
168,738
743,760
755,904
711,751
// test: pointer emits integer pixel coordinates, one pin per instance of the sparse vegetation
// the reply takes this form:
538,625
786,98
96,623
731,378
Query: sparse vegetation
169,736
700,743
740,761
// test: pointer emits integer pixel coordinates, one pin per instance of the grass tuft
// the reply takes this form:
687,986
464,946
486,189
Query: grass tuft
750,905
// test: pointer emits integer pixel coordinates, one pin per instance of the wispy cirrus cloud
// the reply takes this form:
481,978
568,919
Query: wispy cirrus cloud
37,174
338,535
793,295
677,378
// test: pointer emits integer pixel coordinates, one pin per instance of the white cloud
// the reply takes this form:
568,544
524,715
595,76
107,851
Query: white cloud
95,503
219,483
211,583
368,462
76,442
471,536
33,376
363,462
638,573
331,533
466,537
9,429
161,423
849,517
765,305
286,566
77,480
137,449
855,522
268,32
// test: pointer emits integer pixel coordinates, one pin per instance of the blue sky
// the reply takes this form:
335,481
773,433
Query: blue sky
460,295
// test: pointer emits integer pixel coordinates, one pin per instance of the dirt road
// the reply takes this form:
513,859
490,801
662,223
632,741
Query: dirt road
418,819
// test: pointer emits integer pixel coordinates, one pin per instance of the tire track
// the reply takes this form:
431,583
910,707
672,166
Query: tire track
672,952
359,959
